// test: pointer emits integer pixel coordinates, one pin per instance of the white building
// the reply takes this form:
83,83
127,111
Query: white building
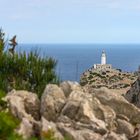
103,64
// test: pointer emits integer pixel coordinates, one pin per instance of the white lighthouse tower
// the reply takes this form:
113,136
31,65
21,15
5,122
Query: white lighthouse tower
103,58
103,65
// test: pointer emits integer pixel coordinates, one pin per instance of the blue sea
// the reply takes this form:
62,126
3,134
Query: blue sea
74,59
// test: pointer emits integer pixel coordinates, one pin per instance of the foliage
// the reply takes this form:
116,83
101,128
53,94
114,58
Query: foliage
7,122
90,77
3,104
126,85
7,125
21,71
2,43
25,71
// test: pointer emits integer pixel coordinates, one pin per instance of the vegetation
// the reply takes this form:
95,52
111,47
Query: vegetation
126,85
7,122
90,77
24,71
103,73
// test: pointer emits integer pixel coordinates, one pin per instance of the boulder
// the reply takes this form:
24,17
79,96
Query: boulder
76,134
86,108
25,106
114,136
25,129
118,103
136,134
72,111
47,126
68,87
124,127
90,135
79,108
69,132
105,113
133,95
23,103
52,102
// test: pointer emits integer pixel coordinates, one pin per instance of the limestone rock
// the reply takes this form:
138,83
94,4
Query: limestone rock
73,134
114,136
46,126
124,127
133,95
25,106
90,135
69,110
69,132
52,102
68,87
23,103
118,103
26,129
136,134
104,112
79,107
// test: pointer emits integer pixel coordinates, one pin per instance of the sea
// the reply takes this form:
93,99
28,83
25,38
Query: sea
74,59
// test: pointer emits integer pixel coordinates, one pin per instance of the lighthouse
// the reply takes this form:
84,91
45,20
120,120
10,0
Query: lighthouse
103,58
103,65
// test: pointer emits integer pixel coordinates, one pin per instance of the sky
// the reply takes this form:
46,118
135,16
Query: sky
72,21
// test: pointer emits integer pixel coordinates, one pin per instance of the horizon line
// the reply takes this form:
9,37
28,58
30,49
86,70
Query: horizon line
79,43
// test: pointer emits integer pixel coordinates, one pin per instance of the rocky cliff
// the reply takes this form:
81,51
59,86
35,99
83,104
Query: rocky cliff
74,112
110,78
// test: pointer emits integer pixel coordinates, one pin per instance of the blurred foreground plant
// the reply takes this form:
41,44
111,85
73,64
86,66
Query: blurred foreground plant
24,71
8,123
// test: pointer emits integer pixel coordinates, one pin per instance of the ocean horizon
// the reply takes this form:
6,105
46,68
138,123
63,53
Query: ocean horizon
74,59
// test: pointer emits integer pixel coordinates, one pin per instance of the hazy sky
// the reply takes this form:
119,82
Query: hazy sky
71,21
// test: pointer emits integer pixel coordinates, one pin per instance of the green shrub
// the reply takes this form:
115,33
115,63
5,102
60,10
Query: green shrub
126,85
90,77
25,71
3,104
7,125
7,122
103,73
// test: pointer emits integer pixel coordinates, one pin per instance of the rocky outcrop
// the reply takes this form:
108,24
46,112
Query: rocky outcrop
118,104
123,127
110,78
133,95
71,111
